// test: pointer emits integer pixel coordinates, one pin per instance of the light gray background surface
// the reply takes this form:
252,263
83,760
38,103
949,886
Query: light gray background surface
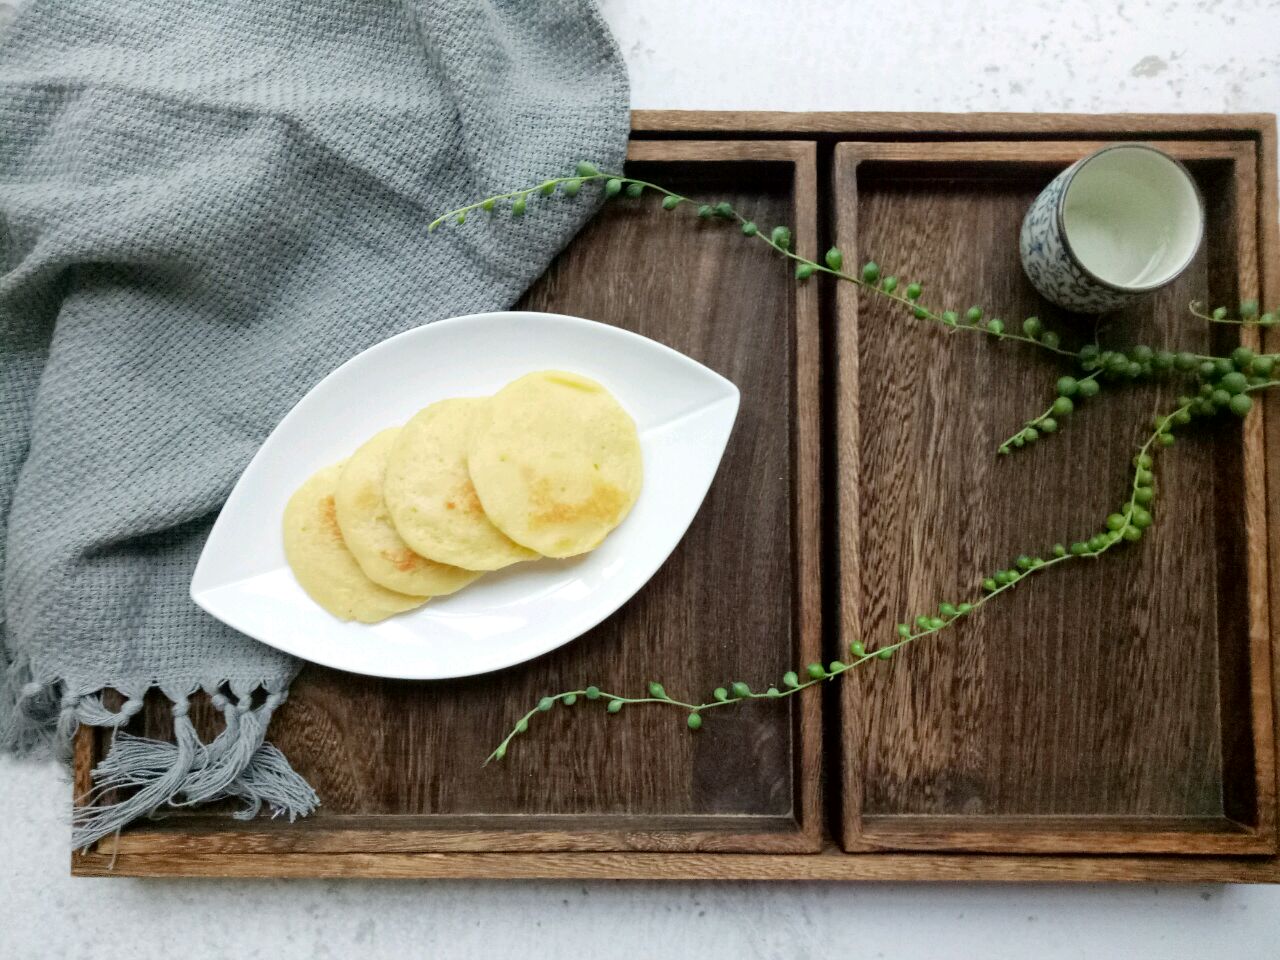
1210,55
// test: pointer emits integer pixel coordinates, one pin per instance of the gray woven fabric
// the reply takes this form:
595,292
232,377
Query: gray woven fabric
207,206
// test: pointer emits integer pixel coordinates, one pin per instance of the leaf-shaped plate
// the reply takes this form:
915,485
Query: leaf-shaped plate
684,413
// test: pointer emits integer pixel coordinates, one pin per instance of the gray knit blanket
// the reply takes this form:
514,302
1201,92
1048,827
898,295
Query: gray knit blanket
207,205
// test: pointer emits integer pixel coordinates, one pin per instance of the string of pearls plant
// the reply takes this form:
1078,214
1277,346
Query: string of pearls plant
1215,384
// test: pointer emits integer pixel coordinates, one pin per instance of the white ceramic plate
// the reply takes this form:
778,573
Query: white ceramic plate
684,413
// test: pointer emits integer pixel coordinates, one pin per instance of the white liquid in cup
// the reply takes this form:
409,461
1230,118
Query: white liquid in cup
1132,217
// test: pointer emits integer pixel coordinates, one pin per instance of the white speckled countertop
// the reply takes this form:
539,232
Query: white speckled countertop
1132,55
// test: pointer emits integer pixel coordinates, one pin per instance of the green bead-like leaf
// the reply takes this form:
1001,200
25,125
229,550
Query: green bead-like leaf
655,690
804,271
670,203
870,272
749,229
635,189
571,187
614,706
720,693
694,721
781,236
488,205
545,704
790,679
704,211
834,259
518,207
570,699
586,168
815,671
740,689
548,188
1234,382
593,693
612,187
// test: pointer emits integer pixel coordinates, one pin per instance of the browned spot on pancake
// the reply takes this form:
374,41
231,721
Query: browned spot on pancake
329,517
404,560
604,504
466,496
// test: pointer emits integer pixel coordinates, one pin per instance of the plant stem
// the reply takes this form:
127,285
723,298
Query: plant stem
1125,526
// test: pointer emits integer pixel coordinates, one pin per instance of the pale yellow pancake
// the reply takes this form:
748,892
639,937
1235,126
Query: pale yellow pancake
429,493
556,462
372,539
321,561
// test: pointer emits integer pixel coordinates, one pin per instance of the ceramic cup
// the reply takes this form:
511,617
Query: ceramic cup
1114,225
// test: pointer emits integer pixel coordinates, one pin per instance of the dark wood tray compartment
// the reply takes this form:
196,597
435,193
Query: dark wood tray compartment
399,764
1106,706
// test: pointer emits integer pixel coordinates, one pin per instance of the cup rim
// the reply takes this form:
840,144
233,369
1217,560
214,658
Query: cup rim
1060,217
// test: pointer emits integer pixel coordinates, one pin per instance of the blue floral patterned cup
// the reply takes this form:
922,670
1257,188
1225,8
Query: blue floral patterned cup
1113,226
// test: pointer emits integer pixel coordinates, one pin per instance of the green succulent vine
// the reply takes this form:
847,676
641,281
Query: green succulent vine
1215,384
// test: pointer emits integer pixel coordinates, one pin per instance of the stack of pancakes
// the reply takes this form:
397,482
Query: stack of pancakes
546,467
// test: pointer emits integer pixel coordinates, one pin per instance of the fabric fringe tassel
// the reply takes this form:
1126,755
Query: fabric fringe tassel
237,763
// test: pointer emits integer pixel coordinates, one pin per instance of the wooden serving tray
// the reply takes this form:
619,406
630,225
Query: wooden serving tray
1112,721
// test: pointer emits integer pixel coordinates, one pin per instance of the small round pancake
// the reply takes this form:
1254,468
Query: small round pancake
429,493
556,462
372,539
321,561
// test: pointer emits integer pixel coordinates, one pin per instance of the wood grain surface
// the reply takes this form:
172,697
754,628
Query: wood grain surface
738,600
870,125
830,864
1045,704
